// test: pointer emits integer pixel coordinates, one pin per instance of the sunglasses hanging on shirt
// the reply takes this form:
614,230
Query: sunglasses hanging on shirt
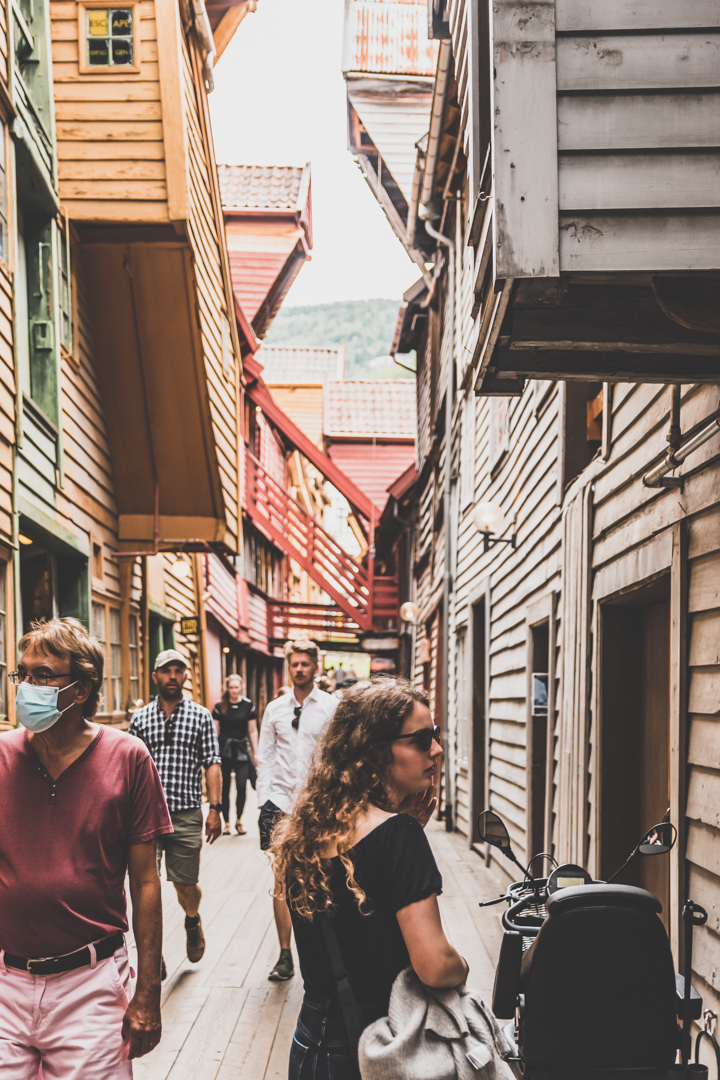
296,718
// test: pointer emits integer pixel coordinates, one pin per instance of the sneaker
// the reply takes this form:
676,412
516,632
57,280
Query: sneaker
163,969
195,942
284,968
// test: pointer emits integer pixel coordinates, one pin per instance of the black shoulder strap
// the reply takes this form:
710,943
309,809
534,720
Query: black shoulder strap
350,1012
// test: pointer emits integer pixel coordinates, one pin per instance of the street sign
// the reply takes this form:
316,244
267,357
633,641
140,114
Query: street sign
190,625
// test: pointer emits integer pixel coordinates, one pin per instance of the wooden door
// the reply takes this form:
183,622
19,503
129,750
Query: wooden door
635,734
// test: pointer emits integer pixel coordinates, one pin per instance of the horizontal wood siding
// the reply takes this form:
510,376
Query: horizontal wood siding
111,159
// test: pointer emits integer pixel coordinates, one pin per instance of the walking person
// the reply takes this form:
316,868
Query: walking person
291,727
180,735
355,851
81,805
236,723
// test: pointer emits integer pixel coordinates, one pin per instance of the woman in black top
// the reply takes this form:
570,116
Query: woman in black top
354,849
236,723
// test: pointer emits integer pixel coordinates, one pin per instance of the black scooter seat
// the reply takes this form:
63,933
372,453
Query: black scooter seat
602,895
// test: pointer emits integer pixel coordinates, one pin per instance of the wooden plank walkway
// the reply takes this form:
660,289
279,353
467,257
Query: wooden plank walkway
222,1019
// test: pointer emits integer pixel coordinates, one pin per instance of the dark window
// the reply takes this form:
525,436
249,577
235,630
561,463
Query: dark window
109,36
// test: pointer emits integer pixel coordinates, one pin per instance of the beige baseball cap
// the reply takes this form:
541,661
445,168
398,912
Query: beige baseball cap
169,656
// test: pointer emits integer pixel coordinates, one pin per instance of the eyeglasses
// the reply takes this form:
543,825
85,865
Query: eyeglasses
40,678
423,737
296,720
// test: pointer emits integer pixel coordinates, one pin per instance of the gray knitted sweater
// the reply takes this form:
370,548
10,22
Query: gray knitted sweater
438,1034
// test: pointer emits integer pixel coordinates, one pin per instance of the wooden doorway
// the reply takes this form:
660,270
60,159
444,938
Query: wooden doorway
635,732
479,717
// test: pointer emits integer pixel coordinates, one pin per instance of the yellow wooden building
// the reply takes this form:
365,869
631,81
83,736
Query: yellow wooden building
119,355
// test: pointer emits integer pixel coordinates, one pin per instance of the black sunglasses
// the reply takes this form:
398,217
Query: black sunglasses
423,738
168,734
296,720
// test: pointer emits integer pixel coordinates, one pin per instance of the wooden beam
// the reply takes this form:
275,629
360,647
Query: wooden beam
226,28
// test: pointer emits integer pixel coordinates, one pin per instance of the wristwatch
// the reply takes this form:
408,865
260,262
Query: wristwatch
216,806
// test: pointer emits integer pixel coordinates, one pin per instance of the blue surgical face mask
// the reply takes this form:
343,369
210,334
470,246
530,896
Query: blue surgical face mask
36,706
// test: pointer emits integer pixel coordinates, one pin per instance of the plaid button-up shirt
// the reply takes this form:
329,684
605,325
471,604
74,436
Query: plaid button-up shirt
180,748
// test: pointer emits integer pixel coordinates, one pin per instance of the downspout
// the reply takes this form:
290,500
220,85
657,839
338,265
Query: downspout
442,77
207,43
657,477
447,576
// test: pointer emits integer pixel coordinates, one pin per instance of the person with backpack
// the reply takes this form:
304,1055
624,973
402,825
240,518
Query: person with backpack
356,870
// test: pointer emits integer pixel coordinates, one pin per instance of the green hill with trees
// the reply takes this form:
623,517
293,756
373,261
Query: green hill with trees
364,327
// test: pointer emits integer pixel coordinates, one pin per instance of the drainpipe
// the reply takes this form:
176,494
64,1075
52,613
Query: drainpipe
657,477
207,42
442,77
447,576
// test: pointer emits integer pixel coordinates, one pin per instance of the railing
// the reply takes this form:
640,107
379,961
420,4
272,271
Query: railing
357,592
325,622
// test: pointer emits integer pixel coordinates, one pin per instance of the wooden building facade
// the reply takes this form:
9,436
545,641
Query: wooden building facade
568,362
122,361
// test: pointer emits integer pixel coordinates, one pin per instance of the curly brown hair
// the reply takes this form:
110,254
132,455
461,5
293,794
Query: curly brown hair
348,775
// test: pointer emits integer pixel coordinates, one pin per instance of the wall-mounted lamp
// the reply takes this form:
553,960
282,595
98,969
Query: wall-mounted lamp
488,518
181,568
226,648
409,612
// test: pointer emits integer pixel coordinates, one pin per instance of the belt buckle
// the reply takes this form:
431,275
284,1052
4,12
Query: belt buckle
37,960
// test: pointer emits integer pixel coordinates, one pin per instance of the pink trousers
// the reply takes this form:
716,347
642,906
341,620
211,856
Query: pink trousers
67,1026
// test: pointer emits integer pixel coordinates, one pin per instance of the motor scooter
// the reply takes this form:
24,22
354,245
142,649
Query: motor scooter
586,972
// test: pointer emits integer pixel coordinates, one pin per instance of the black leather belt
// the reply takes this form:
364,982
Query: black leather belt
51,965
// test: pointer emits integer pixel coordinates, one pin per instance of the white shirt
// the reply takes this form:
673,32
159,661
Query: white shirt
284,754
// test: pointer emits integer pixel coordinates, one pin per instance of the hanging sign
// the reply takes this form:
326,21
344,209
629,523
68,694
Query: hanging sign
191,625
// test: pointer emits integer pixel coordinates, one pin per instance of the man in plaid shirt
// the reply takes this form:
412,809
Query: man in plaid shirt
180,735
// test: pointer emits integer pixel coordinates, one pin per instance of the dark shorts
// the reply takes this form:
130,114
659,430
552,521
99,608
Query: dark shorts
182,847
270,814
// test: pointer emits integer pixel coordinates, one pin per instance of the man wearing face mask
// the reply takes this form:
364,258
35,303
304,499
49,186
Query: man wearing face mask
81,804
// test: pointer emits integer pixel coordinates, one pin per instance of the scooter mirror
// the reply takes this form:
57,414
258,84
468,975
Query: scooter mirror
491,830
659,840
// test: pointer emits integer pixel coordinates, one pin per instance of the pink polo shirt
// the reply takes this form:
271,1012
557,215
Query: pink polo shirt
64,843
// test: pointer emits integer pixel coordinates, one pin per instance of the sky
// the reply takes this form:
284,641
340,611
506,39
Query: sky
280,99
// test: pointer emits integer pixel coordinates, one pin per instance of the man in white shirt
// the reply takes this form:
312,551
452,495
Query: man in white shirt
292,726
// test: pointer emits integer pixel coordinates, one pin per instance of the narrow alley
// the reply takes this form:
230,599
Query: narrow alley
222,1019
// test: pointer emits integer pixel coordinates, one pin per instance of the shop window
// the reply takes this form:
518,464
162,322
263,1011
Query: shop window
134,658
115,659
106,628
109,37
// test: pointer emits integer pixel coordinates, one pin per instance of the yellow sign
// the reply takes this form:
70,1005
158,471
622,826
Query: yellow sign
98,23
190,626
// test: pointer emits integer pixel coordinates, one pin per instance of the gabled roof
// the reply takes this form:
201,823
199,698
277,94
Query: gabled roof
367,408
286,365
274,188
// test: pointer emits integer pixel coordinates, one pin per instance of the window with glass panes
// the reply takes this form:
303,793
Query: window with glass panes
106,628
134,659
110,37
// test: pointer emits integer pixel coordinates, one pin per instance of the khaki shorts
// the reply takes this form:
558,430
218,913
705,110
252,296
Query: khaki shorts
182,847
